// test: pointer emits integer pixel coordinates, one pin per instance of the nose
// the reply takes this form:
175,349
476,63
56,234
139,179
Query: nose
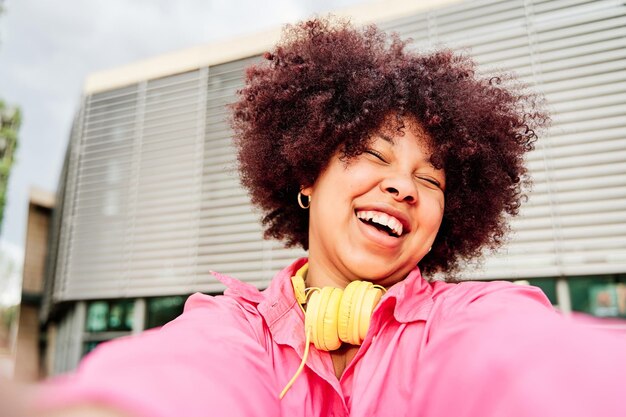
402,188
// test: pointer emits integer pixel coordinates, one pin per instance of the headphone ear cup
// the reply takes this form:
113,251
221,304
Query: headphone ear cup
335,316
370,300
331,300
321,316
345,311
310,318
357,305
299,288
356,312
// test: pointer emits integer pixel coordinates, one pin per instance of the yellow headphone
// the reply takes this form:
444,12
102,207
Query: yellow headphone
334,315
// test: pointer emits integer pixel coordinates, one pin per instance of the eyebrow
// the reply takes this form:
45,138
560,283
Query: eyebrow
391,141
386,138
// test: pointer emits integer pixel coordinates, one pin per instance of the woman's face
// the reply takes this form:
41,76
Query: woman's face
375,216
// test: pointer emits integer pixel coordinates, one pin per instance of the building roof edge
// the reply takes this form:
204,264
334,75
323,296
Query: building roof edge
219,52
41,197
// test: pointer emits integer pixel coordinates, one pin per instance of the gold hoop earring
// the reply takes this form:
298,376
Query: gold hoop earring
308,202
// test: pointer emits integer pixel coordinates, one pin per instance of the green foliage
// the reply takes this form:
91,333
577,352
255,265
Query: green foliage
10,122
8,315
2,204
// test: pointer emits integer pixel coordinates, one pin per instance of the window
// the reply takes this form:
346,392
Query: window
107,316
164,309
89,346
548,286
107,320
599,295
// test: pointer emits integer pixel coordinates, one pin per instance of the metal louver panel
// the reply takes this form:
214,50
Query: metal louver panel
230,234
56,263
156,198
98,216
167,182
585,155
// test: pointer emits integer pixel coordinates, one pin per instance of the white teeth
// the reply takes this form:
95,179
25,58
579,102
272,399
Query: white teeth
383,219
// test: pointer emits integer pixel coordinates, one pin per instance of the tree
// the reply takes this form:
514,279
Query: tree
10,121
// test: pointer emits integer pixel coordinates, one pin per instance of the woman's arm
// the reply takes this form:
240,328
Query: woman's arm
81,411
209,360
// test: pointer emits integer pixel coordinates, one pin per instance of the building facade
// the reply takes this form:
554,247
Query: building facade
149,201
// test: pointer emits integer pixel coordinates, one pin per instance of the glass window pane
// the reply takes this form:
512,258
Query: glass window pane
164,309
89,346
608,300
121,315
548,286
106,316
97,316
601,296
579,292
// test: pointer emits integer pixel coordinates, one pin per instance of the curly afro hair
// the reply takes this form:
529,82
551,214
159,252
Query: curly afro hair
329,86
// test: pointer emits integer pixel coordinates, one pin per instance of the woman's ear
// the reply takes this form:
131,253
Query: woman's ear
307,191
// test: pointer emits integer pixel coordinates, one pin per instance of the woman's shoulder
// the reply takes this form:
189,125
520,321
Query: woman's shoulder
218,311
242,307
469,296
238,300
232,314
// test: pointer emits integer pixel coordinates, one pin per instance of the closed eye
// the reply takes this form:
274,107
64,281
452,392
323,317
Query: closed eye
376,154
431,181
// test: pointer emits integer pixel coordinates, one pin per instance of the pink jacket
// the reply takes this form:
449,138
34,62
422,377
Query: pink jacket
433,350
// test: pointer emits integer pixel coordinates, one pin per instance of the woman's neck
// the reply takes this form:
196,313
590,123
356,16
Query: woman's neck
321,275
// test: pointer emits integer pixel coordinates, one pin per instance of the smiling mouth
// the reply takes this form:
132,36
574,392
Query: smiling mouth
381,221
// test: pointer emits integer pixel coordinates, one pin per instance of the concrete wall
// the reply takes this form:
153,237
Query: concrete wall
28,363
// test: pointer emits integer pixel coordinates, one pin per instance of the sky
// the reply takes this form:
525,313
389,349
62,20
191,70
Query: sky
47,48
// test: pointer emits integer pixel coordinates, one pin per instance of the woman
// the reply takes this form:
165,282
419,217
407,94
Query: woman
385,164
